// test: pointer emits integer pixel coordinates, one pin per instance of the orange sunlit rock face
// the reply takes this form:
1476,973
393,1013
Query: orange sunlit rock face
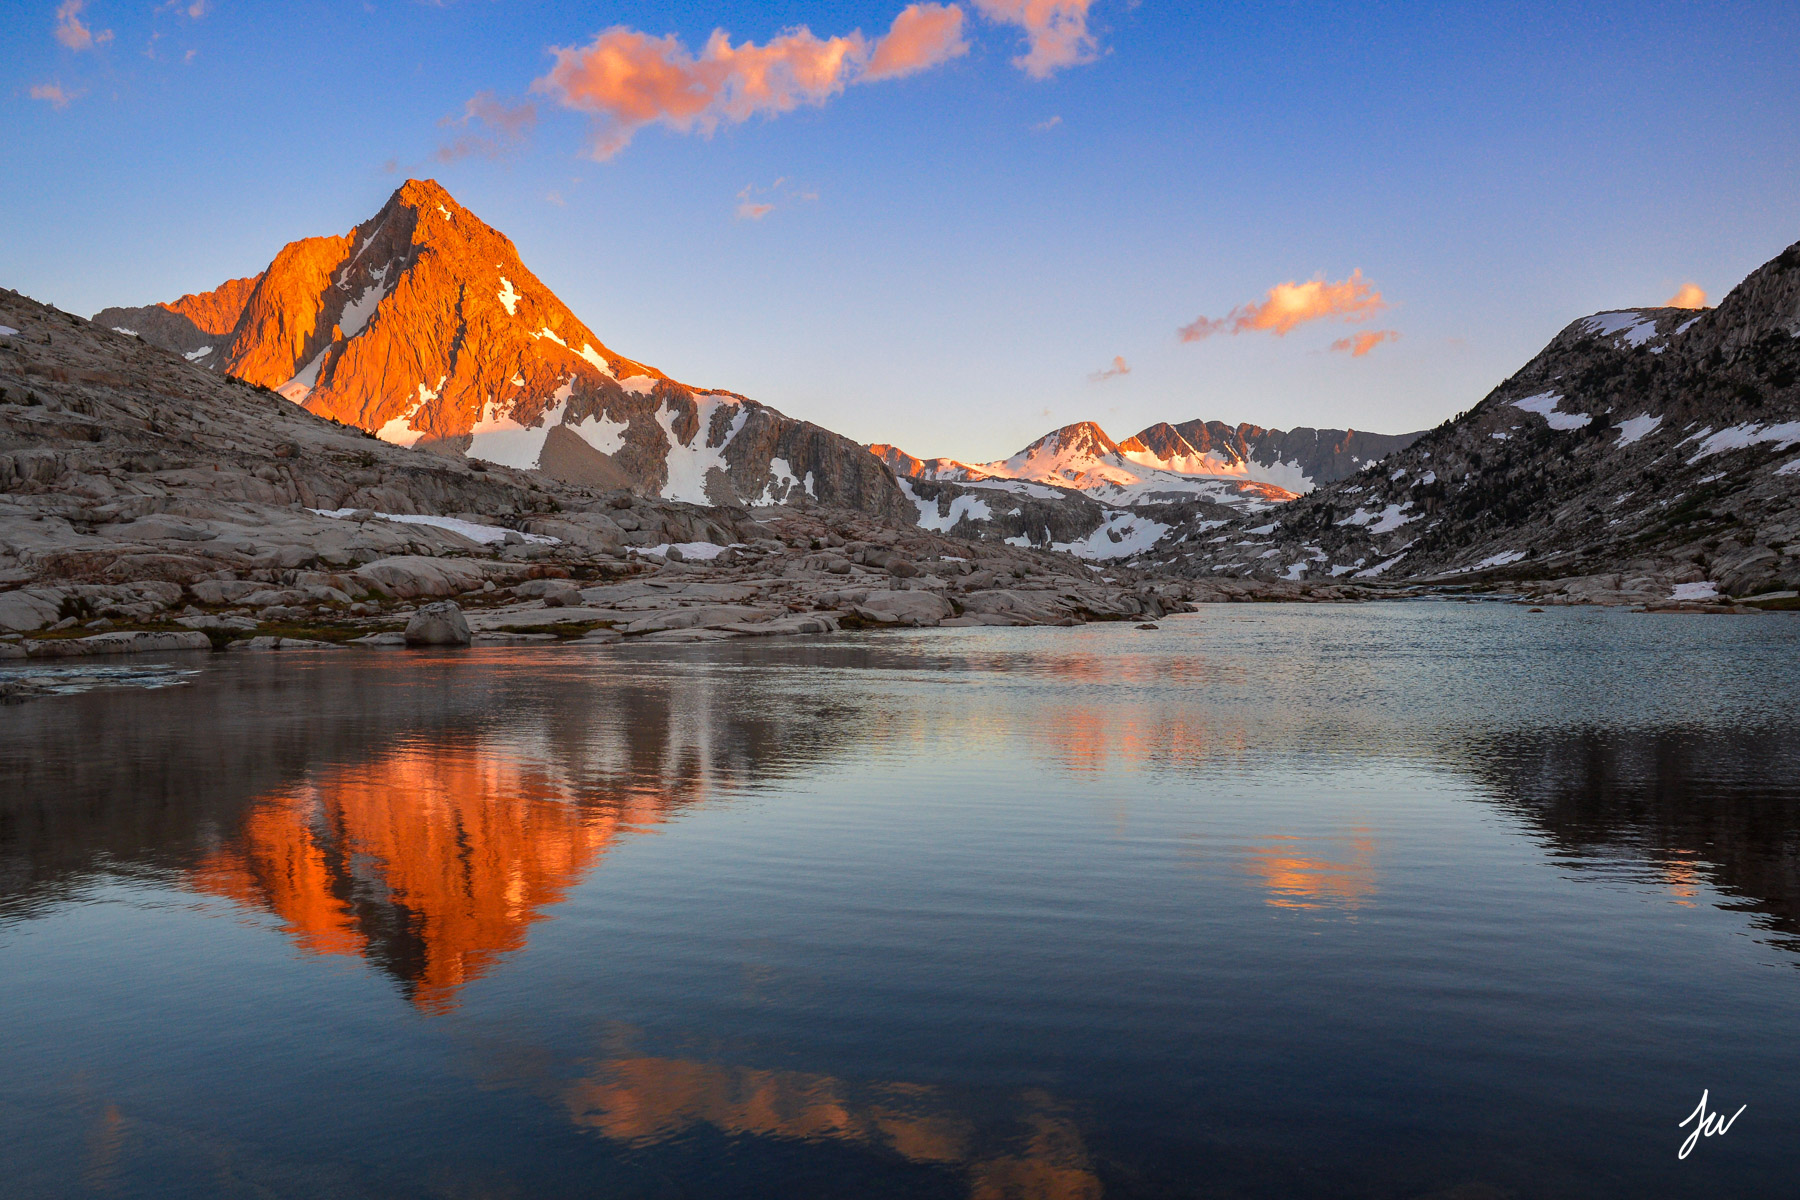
1331,872
1033,1148
216,313
430,862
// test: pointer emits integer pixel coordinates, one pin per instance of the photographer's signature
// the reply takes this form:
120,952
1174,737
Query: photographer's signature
1706,1124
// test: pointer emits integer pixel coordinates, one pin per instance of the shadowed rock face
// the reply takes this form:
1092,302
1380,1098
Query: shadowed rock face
423,326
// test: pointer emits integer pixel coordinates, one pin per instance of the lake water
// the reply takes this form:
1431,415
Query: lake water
1401,900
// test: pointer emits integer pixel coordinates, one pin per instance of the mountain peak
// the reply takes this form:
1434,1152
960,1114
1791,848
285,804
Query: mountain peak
424,193
422,326
1081,438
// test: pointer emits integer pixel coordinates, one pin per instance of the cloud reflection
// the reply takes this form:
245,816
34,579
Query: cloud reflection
1029,1147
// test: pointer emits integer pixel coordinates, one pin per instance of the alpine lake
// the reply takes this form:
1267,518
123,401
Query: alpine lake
1401,900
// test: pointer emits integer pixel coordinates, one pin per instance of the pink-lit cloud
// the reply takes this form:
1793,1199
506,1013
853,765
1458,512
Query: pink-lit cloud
1364,342
1119,367
628,79
1291,304
923,36
1056,32
506,128
53,94
72,32
1691,295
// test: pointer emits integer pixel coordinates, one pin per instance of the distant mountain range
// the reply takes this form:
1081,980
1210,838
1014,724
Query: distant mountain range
1167,463
1641,447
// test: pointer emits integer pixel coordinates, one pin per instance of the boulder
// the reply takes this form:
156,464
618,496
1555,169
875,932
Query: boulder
407,576
904,608
225,591
439,624
1035,607
22,612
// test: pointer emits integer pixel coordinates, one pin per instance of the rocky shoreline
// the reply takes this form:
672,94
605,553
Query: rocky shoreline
150,506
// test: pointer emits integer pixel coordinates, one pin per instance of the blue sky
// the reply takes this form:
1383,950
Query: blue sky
954,256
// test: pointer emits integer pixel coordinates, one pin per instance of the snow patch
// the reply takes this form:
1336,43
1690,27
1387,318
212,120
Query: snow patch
1136,535
505,442
1503,559
399,430
1018,487
1386,521
1283,474
356,314
197,355
1295,570
445,211
688,464
547,332
594,359
1706,589
9,331
1636,327
1637,428
601,432
1792,468
1544,405
487,535
1742,437
692,550
783,481
509,299
638,385
972,507
300,386
1379,567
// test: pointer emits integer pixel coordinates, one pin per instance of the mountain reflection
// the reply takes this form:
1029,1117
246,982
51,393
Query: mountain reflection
430,862
422,820
1030,1147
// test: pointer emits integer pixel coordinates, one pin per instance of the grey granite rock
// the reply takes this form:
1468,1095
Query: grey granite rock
438,624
